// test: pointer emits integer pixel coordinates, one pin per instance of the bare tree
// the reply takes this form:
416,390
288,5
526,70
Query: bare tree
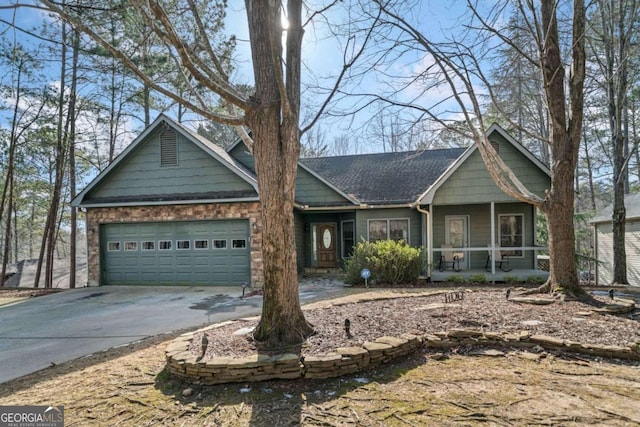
341,145
613,25
314,143
22,119
458,63
190,40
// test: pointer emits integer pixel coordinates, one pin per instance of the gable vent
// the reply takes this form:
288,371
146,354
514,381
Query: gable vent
495,146
169,148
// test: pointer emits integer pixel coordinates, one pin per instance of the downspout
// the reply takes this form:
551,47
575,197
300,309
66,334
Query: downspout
426,233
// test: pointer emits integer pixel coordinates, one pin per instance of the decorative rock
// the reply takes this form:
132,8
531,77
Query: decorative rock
349,360
537,349
584,313
487,352
545,340
464,333
530,356
352,352
531,322
376,347
573,345
187,392
392,341
243,331
511,337
493,336
532,300
437,305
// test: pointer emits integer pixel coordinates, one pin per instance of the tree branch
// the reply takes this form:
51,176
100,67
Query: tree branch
226,119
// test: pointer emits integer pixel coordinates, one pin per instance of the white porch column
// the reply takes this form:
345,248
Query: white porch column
430,239
535,238
493,238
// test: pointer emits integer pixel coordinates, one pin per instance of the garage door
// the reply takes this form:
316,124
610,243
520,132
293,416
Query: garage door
176,253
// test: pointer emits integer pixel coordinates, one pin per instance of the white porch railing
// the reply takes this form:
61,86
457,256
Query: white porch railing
489,250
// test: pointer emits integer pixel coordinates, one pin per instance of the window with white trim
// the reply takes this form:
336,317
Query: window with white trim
511,233
183,245
201,244
239,243
165,245
131,246
389,229
113,246
149,245
348,238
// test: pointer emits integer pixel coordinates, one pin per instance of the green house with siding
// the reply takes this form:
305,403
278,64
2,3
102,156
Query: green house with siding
176,208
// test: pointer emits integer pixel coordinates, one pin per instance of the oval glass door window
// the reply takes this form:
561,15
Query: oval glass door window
326,238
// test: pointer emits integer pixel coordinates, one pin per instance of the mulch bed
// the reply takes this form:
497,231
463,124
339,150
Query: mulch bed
486,310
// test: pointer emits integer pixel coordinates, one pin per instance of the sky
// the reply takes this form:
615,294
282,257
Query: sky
322,57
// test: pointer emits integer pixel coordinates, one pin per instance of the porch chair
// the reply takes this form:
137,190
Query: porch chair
449,258
502,261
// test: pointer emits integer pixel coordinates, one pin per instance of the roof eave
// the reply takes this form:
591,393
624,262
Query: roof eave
165,202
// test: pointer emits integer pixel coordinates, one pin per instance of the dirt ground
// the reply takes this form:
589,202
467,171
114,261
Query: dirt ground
128,386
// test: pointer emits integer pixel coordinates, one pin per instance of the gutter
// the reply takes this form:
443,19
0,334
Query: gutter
165,202
362,206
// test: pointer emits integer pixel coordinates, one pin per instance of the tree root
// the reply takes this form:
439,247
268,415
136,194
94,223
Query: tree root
563,293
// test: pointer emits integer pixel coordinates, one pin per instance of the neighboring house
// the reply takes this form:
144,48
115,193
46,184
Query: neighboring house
174,208
603,242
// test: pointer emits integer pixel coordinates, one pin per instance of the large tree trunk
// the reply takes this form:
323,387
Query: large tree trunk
566,128
274,122
72,162
559,208
9,180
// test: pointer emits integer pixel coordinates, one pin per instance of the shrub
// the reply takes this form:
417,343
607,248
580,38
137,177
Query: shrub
389,261
511,279
456,278
478,278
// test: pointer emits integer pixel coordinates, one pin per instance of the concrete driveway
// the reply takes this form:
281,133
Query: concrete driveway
67,325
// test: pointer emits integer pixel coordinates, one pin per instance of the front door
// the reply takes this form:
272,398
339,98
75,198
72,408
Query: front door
326,245
457,235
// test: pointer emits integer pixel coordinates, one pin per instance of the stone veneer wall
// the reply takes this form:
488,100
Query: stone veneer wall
195,212
182,363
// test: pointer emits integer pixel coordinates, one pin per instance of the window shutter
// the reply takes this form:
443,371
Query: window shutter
169,148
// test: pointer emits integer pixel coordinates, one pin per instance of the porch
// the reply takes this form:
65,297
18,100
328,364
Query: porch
505,266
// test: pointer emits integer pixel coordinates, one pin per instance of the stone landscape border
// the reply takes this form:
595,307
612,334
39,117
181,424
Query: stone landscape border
347,360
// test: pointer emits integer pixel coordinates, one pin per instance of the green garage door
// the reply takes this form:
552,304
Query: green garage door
176,253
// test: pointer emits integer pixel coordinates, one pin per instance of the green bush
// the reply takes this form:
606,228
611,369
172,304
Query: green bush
478,278
511,279
456,278
390,262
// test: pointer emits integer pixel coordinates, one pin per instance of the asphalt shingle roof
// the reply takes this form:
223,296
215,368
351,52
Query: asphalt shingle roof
631,204
385,178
